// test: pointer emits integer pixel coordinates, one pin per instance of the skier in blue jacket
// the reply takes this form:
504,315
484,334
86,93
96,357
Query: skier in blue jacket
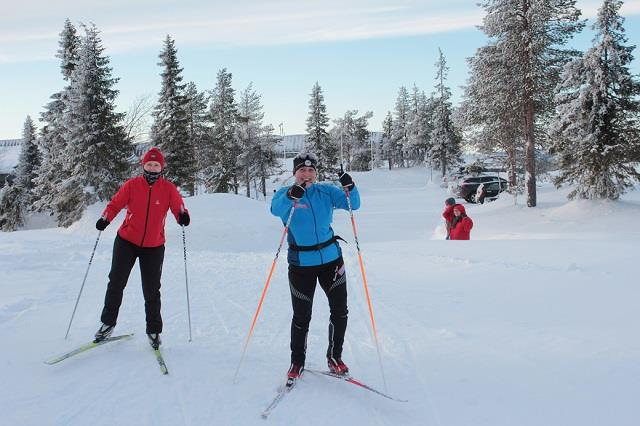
315,256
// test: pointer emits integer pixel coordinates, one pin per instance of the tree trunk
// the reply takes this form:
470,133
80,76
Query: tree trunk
530,158
248,180
528,109
511,170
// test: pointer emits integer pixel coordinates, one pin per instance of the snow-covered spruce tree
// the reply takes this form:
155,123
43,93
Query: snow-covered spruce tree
351,135
417,136
197,125
258,158
318,140
420,127
445,138
361,154
490,111
97,147
342,134
531,34
220,173
52,140
387,142
170,130
28,163
596,123
400,131
11,209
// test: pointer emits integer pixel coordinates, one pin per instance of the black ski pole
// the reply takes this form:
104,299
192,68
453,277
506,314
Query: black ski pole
186,278
93,252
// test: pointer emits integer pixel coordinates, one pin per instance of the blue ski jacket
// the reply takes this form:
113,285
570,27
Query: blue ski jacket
311,221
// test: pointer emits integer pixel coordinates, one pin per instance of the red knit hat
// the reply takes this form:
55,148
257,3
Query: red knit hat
153,154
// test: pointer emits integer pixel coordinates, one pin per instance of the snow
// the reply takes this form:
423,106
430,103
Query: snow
532,322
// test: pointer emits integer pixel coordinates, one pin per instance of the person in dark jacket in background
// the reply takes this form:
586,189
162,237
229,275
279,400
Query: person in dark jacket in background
461,224
447,214
147,199
315,256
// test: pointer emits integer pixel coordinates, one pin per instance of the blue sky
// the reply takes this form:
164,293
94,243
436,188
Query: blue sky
360,51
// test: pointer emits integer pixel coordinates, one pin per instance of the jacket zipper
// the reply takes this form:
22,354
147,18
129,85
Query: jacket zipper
315,228
146,219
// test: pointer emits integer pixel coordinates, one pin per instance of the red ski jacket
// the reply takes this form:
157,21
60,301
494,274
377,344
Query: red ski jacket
447,214
462,229
147,207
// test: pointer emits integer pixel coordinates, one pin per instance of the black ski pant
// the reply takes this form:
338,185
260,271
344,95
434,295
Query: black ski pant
302,283
124,257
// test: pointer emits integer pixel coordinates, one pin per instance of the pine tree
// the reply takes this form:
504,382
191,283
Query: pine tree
97,146
52,141
318,140
417,137
445,138
491,106
221,152
351,131
420,127
68,49
596,122
362,150
400,131
11,210
530,35
387,141
28,163
342,135
197,128
258,158
170,130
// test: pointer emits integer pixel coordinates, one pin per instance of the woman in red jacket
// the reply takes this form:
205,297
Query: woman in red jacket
147,199
461,224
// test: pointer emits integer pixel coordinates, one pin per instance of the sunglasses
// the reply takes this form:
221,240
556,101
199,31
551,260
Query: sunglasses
307,157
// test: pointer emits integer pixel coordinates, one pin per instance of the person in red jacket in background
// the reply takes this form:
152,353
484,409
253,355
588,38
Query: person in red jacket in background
147,199
461,224
447,214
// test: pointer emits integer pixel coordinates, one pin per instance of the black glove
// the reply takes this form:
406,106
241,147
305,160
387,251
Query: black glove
102,223
296,192
184,219
346,181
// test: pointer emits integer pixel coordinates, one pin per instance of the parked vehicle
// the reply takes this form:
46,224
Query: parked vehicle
468,187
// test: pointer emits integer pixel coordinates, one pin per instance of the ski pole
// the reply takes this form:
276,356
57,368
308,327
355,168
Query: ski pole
364,283
93,252
264,290
186,279
186,276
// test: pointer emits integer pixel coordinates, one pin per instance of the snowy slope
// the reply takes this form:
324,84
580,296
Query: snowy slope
533,322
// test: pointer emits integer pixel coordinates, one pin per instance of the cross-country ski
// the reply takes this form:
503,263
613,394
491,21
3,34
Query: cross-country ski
86,347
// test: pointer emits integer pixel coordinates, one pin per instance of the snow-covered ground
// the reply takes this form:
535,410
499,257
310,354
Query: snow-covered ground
532,322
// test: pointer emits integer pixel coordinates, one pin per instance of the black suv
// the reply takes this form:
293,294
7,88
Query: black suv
493,185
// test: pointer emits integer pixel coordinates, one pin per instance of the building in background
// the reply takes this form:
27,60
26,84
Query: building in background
9,155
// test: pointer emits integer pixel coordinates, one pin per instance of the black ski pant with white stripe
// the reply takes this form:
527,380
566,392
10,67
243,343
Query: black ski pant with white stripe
124,257
302,283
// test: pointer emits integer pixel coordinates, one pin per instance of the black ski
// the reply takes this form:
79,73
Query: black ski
349,379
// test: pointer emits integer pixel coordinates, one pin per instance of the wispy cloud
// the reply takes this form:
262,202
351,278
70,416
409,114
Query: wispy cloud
141,24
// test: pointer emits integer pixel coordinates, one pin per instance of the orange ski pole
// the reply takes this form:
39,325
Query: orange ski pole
366,287
264,290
